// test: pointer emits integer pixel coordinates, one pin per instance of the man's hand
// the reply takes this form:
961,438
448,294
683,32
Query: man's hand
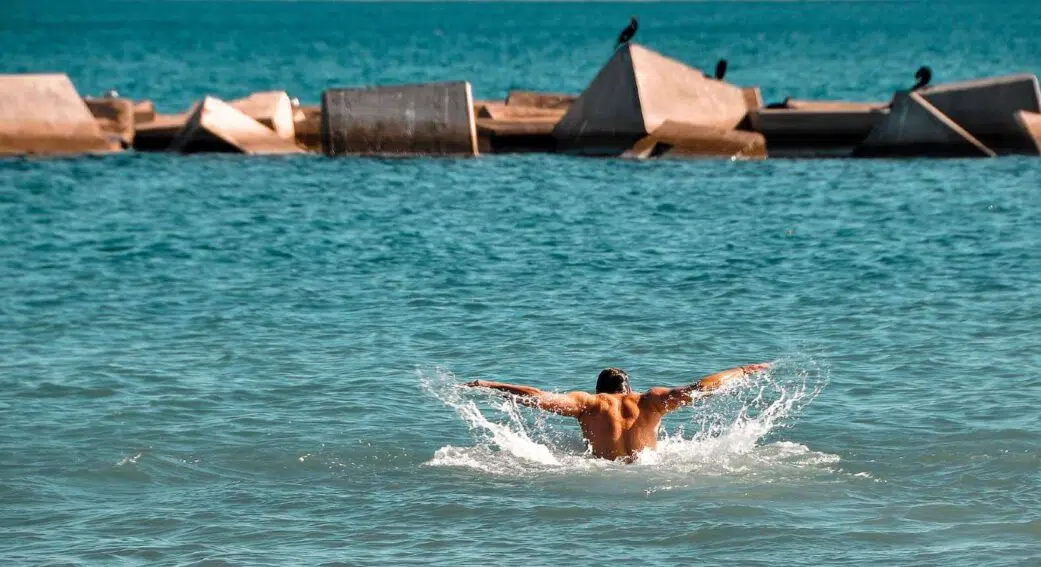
476,384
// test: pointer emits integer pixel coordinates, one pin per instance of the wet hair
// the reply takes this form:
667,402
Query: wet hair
612,381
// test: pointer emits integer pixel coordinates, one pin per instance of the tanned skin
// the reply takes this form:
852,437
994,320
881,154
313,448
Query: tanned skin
618,426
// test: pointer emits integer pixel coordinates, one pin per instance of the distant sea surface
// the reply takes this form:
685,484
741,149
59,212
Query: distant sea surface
219,360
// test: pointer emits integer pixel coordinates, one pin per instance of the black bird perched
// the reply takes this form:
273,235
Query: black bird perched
721,69
924,75
628,33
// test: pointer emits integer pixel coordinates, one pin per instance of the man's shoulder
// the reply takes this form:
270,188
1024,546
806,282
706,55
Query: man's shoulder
632,397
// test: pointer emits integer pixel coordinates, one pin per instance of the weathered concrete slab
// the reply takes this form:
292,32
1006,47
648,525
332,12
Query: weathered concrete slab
144,111
421,119
514,127
272,109
501,111
676,139
533,99
635,93
43,114
819,132
914,128
987,108
115,116
834,105
1030,122
215,126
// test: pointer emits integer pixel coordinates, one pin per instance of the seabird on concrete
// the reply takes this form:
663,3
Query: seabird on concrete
628,33
924,75
721,69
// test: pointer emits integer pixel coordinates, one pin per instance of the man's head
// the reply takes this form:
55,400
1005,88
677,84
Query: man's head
612,381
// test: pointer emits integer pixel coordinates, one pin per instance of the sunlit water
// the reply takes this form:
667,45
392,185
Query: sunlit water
217,360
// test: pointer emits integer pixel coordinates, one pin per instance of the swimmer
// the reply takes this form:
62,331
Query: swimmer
616,422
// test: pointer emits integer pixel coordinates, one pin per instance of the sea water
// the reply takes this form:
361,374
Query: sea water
220,360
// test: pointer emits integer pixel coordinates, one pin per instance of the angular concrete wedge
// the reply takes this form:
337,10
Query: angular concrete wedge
986,108
43,114
914,128
638,90
1030,122
272,109
215,126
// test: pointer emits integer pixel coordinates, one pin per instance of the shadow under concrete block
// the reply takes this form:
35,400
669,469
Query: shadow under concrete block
814,133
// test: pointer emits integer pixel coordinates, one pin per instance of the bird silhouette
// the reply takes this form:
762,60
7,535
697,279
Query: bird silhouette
627,34
721,69
924,75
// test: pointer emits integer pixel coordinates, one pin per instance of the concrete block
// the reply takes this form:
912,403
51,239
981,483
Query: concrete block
676,139
157,134
215,126
144,111
1030,122
914,128
115,116
533,99
43,114
421,119
272,109
308,126
635,93
987,109
753,98
810,133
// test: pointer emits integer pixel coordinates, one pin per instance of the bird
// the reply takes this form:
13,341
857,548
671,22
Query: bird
628,33
924,75
721,69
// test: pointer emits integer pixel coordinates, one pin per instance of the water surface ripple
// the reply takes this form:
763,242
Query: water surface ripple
218,360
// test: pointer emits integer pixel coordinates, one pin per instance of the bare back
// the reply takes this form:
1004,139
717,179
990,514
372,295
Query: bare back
620,425
623,424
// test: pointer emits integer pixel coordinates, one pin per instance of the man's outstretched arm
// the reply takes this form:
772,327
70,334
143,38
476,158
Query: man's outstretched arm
669,399
571,404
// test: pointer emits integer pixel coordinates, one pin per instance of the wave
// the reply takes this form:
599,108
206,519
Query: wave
725,434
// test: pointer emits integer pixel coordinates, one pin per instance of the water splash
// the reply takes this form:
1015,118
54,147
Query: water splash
729,430
128,460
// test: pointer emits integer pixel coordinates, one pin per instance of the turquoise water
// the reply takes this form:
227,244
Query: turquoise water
227,361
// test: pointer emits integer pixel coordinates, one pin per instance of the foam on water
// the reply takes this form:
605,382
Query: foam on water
724,434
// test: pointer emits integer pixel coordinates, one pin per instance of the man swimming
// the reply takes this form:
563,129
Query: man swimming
617,422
